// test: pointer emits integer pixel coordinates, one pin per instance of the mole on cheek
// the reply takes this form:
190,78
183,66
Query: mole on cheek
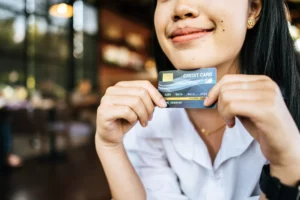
222,21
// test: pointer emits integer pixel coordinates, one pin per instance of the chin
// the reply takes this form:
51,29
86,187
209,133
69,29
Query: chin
191,63
190,58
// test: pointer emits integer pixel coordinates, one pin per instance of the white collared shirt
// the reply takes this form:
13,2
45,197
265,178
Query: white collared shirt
174,164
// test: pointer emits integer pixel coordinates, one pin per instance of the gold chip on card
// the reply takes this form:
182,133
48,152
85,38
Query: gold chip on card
168,77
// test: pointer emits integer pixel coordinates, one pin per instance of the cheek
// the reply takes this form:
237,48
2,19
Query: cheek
160,19
232,32
160,24
231,27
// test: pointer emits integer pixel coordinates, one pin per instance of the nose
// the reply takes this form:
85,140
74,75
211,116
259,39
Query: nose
184,9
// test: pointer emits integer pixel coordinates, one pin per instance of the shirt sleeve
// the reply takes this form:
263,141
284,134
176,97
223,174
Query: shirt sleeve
149,159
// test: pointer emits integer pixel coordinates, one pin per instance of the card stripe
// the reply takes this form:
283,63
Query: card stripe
184,98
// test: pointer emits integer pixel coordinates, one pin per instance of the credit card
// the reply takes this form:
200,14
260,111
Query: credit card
187,89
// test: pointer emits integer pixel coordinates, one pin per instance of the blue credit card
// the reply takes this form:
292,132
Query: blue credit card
187,89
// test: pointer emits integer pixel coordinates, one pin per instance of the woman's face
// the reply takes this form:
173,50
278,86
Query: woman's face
201,33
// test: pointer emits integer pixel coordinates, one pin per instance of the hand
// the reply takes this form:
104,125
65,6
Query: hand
258,103
122,106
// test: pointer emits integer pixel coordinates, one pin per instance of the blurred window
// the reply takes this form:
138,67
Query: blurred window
17,5
34,43
40,46
12,38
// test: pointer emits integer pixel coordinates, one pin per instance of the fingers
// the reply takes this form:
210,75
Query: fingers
133,103
244,80
228,99
119,112
139,96
256,91
134,92
240,108
248,85
156,97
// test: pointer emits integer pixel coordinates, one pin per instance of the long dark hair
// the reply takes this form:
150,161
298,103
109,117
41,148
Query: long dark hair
268,50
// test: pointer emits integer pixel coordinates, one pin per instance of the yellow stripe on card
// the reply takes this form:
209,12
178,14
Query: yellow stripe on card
184,98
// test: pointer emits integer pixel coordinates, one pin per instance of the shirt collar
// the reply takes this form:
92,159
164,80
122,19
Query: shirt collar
235,142
190,146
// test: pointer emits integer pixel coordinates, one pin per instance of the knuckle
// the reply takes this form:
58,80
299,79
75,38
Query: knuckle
268,84
147,84
271,83
126,110
143,92
231,107
100,111
225,97
273,89
267,78
136,101
109,90
224,87
120,83
133,118
103,100
276,87
226,77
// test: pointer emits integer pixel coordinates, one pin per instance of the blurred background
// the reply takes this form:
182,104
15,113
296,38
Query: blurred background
56,60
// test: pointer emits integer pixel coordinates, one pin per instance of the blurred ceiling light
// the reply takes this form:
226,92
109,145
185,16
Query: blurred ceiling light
31,82
13,76
8,92
135,40
21,93
150,64
113,32
61,10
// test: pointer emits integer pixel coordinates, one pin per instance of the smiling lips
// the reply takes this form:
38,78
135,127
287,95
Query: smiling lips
183,35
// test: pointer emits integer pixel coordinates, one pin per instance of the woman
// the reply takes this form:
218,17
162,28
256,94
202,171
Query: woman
170,157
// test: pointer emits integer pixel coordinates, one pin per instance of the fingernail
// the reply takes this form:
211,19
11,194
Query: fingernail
142,124
230,125
151,117
163,103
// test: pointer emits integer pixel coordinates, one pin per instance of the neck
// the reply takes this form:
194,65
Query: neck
210,119
230,67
